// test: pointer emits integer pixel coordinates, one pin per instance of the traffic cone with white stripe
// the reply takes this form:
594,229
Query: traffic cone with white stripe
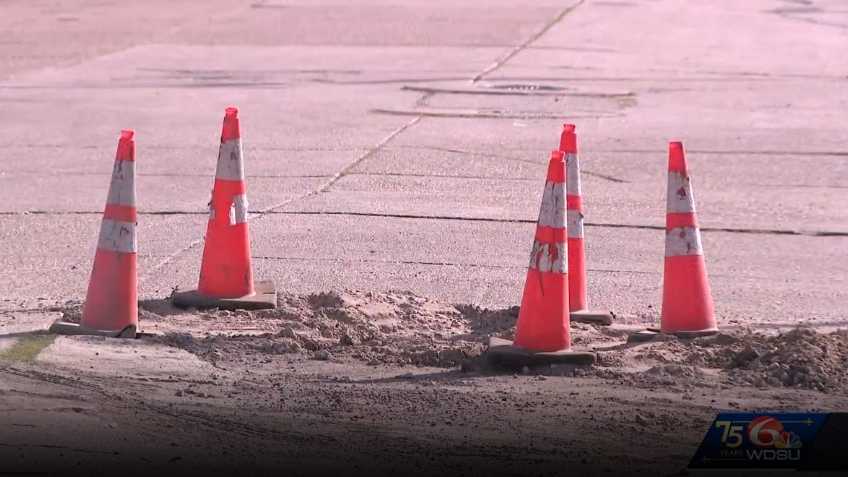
687,306
226,275
111,304
576,251
542,332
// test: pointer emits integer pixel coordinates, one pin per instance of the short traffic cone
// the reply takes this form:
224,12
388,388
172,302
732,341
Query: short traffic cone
576,251
226,275
687,306
542,332
111,304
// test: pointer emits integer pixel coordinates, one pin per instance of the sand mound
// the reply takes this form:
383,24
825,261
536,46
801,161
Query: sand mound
800,358
377,328
401,328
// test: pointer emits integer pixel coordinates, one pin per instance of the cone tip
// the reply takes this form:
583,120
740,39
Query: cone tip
231,125
556,167
676,158
126,146
568,139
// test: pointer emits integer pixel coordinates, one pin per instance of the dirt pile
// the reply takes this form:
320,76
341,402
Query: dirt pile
377,328
401,328
800,358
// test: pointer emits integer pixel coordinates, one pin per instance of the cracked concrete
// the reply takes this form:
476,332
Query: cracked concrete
439,195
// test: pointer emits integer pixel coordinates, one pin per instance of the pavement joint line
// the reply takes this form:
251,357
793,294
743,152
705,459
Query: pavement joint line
731,151
345,170
517,49
323,187
166,174
811,233
168,147
632,151
260,213
648,79
445,264
389,262
496,92
490,114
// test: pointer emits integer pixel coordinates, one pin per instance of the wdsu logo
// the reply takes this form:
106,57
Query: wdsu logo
746,440
772,441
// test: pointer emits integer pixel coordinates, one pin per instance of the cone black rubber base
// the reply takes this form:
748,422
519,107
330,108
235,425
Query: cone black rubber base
67,328
265,298
502,353
592,317
652,334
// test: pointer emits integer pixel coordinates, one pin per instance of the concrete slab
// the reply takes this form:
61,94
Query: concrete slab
485,264
188,195
125,358
52,254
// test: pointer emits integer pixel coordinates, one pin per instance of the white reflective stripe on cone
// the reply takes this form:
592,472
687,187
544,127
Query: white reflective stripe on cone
117,236
679,193
552,211
238,210
572,174
230,164
683,241
122,188
575,224
547,257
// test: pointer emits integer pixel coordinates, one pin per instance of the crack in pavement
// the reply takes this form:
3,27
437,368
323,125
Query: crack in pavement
323,187
163,174
258,214
516,50
502,92
344,171
429,263
812,233
731,151
491,114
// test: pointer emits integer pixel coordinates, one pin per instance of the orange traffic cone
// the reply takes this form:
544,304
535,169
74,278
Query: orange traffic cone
226,275
542,333
576,251
111,304
687,303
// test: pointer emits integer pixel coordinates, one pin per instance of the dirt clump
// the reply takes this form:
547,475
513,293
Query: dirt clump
402,328
801,358
397,328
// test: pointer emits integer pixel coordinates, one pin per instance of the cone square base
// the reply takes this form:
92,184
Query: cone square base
654,334
264,298
67,328
593,317
502,353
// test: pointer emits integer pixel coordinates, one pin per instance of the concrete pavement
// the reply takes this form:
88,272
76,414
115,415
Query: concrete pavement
402,145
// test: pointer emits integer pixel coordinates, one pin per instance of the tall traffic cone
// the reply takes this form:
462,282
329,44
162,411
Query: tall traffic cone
687,306
576,251
111,304
226,275
542,333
